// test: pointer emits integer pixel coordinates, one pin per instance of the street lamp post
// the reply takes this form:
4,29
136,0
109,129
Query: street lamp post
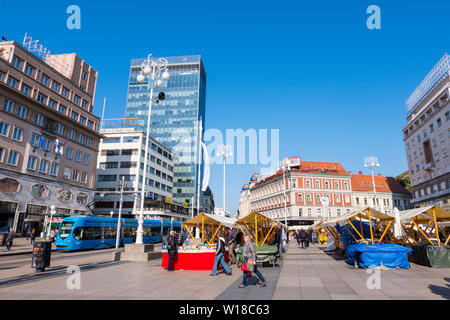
284,168
226,154
371,162
122,184
154,69
52,212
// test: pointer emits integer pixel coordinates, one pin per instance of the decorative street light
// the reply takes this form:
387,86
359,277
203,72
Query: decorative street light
285,169
154,69
52,212
224,151
371,162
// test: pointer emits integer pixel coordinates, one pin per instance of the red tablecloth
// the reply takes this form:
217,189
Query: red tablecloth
192,260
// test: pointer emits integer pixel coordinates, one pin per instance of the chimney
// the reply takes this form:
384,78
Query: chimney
360,172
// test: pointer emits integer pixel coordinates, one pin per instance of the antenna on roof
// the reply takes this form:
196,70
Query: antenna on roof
103,113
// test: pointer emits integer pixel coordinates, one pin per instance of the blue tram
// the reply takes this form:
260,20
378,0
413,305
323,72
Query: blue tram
88,232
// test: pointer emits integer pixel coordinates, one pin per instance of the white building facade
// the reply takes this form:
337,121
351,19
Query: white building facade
122,154
427,137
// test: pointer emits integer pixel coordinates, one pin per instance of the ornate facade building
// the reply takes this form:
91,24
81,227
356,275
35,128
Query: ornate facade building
48,136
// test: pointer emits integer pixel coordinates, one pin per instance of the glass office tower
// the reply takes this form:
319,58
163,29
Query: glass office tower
175,121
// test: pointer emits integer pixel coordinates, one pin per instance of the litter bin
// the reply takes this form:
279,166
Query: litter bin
42,251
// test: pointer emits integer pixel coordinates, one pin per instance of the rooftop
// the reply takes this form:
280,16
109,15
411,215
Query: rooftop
362,182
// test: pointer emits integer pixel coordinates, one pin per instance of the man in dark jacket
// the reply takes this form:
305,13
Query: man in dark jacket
220,254
9,239
172,249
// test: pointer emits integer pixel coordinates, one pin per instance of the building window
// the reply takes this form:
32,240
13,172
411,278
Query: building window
86,159
35,140
31,163
80,138
293,182
66,173
338,212
345,185
88,142
74,116
84,104
82,120
75,175
59,128
52,104
64,195
42,98
2,153
45,144
308,198
62,109
317,197
55,86
29,70
38,118
357,200
78,156
13,158
12,82
347,198
4,129
17,134
336,185
307,184
69,153
22,112
16,62
327,185
76,99
43,166
83,177
90,124
44,80
54,169
84,75
72,134
25,89
439,122
106,177
338,198
8,106
365,201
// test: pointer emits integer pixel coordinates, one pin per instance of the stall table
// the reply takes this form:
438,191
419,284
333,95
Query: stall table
199,260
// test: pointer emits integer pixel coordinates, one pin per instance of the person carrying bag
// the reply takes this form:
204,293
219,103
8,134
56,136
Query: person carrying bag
249,254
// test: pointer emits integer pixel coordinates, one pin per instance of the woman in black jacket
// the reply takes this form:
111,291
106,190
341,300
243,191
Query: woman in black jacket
172,249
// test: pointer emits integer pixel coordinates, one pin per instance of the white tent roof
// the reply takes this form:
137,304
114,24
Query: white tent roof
424,213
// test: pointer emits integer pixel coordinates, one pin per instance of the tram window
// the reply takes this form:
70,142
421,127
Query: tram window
166,231
87,233
110,233
78,233
65,229
156,231
147,232
129,232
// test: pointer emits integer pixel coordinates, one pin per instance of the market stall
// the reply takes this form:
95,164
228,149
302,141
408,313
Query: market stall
200,253
263,230
426,231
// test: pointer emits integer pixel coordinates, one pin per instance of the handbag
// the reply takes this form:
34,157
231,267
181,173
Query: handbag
249,267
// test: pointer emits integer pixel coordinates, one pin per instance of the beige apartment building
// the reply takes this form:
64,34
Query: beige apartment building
48,136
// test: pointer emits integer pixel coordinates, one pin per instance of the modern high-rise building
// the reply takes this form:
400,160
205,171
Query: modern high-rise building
175,122
427,137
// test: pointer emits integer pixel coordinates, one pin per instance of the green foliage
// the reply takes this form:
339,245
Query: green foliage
404,180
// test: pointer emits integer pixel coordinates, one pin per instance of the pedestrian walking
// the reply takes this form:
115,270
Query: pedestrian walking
172,249
314,237
33,236
297,236
249,254
239,238
27,233
9,239
52,235
303,238
231,238
220,256
278,239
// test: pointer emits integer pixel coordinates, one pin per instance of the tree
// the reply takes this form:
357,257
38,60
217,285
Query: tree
404,180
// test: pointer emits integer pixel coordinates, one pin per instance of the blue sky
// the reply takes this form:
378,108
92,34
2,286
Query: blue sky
335,89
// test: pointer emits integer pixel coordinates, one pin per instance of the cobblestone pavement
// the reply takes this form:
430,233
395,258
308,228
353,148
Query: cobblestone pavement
302,274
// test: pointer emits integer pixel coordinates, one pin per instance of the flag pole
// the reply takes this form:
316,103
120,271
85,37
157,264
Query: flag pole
199,163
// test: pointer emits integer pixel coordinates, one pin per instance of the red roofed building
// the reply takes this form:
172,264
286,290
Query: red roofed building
306,184
389,193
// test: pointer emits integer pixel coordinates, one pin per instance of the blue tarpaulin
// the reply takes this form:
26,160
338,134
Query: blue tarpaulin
373,255
346,236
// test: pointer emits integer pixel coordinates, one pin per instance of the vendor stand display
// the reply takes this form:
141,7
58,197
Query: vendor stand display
263,230
431,255
423,224
351,229
388,255
200,256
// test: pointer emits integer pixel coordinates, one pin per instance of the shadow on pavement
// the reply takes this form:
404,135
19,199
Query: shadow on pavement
441,291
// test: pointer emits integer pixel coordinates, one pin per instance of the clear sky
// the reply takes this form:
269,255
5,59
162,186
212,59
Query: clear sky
312,69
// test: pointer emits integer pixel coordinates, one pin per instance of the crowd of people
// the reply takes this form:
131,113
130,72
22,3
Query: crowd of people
230,240
304,238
